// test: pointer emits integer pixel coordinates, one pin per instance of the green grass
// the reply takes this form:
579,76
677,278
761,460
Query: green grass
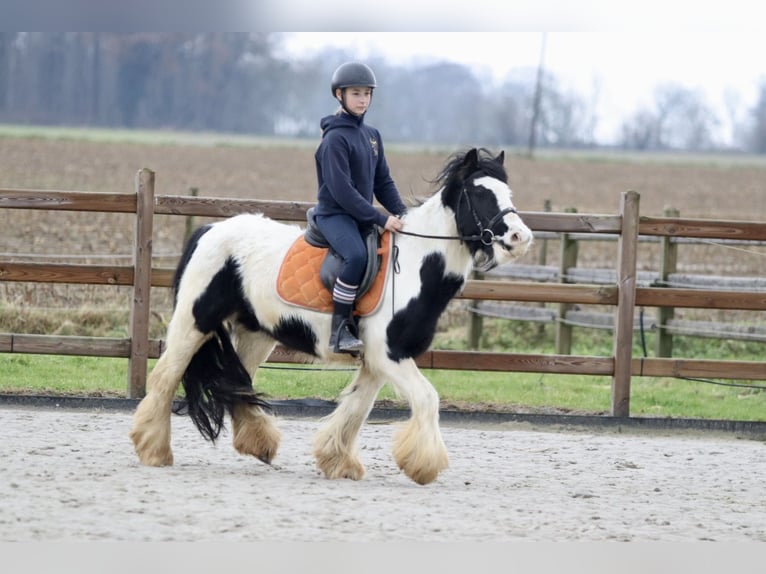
57,374
517,392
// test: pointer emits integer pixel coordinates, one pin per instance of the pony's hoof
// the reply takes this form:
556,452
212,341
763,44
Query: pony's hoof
157,459
256,435
151,456
421,461
351,469
421,476
263,450
334,467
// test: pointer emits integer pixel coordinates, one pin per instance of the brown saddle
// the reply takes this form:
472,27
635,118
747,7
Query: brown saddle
308,271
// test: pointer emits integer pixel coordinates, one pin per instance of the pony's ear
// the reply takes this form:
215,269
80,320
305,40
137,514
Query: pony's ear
500,157
471,159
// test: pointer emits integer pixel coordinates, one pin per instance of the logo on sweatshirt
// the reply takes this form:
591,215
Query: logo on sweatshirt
374,144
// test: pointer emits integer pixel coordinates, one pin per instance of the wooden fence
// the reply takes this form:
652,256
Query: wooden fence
624,294
565,318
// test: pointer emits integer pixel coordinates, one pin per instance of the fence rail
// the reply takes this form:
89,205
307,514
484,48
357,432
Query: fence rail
664,323
624,294
565,318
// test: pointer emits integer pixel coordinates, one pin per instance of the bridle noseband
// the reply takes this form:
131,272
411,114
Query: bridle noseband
486,234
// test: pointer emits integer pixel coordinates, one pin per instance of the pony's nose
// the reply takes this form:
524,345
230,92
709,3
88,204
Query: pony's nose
522,237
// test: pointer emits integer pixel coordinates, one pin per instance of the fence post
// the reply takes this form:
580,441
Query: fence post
142,279
542,256
663,344
476,321
191,221
626,303
542,261
569,250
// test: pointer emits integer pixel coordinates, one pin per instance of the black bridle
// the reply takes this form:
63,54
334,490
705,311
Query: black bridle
485,233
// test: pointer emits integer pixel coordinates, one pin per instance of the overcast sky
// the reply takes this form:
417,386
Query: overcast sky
619,70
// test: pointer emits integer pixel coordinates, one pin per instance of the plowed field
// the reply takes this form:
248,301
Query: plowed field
714,189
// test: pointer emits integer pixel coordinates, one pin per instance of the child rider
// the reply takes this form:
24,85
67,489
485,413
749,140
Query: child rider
351,169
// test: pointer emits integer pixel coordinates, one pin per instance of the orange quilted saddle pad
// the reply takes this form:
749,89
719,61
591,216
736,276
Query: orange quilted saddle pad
298,282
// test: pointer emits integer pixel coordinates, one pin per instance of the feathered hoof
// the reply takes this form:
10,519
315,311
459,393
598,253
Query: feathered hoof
336,465
151,431
149,453
420,458
350,469
256,435
422,475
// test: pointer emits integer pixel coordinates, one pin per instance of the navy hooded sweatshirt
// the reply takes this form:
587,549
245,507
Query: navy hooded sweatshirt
351,169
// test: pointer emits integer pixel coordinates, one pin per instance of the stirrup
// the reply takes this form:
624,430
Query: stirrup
351,344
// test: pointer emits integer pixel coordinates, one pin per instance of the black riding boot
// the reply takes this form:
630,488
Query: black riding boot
342,337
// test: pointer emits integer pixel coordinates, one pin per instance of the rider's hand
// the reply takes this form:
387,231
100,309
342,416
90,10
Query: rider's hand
394,223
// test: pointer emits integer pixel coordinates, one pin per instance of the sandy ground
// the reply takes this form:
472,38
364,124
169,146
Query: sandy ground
71,475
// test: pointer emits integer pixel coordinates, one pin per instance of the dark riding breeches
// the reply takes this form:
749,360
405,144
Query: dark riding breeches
343,234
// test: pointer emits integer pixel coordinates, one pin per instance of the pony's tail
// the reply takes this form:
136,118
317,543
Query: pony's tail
215,382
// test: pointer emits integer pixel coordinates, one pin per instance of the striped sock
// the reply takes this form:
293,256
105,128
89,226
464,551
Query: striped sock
343,293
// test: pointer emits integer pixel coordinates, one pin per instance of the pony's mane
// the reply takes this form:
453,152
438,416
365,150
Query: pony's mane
454,172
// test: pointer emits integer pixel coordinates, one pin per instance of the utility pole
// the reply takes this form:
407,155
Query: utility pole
537,98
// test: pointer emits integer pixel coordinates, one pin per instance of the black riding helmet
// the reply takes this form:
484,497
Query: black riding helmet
352,74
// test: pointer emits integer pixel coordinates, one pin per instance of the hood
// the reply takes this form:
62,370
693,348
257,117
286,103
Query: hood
341,120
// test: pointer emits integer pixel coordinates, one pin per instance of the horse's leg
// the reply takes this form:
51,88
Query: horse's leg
151,422
418,446
335,444
255,431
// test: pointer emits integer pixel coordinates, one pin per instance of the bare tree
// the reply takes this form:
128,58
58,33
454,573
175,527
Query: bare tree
234,81
6,47
685,119
537,100
757,140
565,120
680,119
640,131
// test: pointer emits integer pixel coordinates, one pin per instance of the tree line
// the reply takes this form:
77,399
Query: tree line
238,82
